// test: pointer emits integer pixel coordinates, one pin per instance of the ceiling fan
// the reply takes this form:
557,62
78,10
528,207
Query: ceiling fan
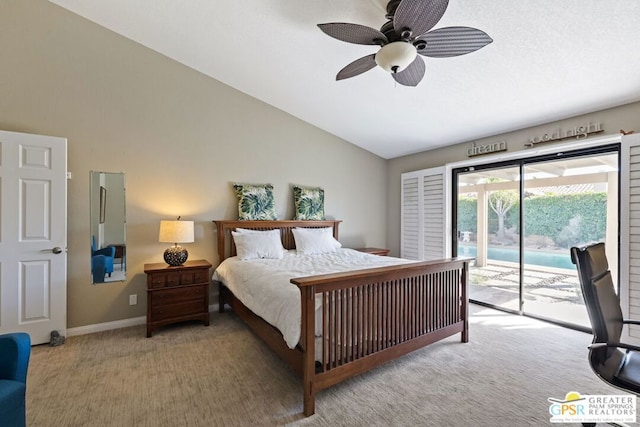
405,35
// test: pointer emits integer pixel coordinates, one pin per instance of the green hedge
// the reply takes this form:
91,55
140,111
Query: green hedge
467,214
567,219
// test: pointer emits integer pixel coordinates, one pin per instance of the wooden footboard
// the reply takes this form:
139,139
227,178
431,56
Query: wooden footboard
375,315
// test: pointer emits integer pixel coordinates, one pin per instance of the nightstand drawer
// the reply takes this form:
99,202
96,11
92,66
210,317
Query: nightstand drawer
176,310
177,295
194,276
164,280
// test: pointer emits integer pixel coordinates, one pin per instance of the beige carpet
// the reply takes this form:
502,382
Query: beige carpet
221,375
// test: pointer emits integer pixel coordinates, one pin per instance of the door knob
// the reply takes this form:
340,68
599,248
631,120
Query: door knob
56,250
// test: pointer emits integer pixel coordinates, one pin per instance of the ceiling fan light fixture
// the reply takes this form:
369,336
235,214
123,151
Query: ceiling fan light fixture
395,57
408,32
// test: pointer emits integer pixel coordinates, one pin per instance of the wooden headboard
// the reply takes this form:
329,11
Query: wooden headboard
227,248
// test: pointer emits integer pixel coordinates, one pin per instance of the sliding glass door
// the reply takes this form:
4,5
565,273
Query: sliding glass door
488,217
568,202
519,219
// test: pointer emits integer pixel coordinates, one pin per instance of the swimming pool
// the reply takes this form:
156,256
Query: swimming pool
547,259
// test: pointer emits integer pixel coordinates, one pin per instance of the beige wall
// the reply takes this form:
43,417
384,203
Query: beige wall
180,137
625,117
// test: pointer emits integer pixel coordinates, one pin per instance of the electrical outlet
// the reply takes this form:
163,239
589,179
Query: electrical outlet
133,299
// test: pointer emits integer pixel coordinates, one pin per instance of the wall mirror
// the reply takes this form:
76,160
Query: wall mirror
108,227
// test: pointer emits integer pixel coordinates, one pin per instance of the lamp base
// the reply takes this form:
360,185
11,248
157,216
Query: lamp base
175,255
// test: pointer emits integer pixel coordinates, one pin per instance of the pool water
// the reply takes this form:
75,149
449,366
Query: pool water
547,259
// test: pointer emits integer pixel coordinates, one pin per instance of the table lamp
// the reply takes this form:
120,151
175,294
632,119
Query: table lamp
176,232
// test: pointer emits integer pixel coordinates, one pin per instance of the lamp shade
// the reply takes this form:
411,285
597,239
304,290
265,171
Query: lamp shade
176,232
395,57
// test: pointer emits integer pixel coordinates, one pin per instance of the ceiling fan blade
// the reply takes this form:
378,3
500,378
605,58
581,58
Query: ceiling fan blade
354,33
413,74
357,67
418,16
453,41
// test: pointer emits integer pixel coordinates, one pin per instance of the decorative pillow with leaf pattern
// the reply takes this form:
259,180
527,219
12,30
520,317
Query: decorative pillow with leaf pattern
309,203
255,202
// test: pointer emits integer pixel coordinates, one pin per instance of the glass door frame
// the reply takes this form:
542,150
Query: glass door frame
521,163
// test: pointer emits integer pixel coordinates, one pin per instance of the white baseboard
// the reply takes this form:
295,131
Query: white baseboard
107,326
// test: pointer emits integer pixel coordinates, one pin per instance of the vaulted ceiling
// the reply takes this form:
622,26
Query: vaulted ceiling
549,60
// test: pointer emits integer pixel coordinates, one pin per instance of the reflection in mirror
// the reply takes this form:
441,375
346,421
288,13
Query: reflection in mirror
108,227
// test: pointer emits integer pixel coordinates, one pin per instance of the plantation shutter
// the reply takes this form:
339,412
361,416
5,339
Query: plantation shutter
630,232
423,214
433,220
410,217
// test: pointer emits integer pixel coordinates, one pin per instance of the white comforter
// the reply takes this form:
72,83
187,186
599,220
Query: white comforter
264,286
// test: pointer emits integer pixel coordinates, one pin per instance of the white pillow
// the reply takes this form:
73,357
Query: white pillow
258,245
252,231
315,240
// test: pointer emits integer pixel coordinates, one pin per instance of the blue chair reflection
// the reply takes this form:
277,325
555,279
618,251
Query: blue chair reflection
101,261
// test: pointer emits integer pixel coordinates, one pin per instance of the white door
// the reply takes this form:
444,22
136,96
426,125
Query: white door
33,235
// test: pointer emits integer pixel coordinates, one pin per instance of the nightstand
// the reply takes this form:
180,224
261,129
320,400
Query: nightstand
374,251
176,294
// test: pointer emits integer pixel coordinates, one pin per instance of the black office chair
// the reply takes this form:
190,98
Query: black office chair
616,363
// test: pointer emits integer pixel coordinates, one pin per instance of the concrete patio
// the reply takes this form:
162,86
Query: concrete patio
552,293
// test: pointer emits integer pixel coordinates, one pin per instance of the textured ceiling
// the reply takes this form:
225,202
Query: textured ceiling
549,60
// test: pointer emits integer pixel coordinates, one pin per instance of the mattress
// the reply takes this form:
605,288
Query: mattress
263,285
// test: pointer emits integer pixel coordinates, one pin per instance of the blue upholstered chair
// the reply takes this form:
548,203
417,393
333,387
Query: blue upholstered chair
15,350
101,261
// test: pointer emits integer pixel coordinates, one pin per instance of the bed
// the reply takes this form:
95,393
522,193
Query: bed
353,321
